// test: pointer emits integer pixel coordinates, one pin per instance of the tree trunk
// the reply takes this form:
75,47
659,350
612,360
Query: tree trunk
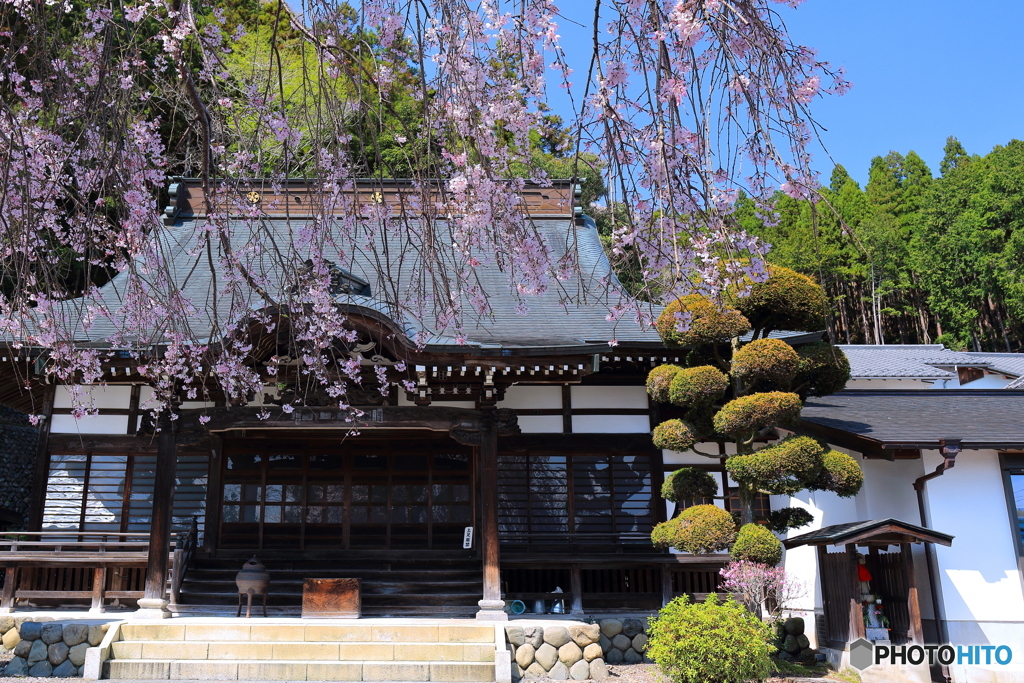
747,497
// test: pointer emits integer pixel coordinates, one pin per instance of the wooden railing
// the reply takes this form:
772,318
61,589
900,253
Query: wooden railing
72,565
184,551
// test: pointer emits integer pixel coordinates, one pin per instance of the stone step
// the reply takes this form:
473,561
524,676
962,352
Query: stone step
229,670
302,650
357,632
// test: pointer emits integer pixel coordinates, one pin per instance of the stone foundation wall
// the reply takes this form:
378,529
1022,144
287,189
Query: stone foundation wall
18,442
45,648
575,652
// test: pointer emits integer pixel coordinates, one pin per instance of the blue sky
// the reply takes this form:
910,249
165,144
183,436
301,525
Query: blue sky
921,70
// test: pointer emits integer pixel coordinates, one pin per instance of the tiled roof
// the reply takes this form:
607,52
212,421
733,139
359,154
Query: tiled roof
839,534
1007,363
548,323
918,419
911,361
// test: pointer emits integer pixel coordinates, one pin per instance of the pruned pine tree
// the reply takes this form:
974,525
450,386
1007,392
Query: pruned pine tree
740,388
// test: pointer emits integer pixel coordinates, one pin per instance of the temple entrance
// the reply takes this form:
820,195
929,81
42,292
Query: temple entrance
361,493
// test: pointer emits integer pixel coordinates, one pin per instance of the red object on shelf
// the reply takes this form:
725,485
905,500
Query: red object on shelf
862,573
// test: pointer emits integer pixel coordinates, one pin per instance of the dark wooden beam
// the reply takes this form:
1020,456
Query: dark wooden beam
491,606
154,603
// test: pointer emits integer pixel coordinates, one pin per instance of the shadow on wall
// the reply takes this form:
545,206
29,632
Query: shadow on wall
18,441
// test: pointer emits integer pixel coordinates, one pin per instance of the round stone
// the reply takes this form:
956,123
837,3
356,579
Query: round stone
37,653
556,636
559,672
592,652
16,668
96,634
614,656
585,634
632,657
580,671
66,670
535,670
611,627
31,630
6,624
632,627
534,635
11,639
51,633
22,648
803,641
76,654
57,653
546,656
622,642
791,645
640,642
605,643
598,670
515,635
41,669
570,653
524,655
75,634
807,653
794,626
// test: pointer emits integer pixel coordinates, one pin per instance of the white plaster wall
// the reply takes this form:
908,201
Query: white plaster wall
91,424
532,398
691,458
611,424
540,424
609,397
113,396
979,574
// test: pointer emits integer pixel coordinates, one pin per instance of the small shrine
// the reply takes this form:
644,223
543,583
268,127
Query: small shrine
870,595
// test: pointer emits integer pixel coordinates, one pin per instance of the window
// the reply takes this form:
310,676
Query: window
1013,478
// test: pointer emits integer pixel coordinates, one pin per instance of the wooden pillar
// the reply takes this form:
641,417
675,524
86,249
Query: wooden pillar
154,602
913,604
492,607
41,471
99,583
10,584
667,594
576,586
856,615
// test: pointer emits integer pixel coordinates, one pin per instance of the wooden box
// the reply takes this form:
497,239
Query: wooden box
331,598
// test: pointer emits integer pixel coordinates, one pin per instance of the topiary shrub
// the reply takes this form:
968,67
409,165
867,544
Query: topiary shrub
756,411
823,370
755,543
788,518
708,322
839,473
787,300
699,529
689,483
770,361
699,386
710,642
674,435
658,381
783,469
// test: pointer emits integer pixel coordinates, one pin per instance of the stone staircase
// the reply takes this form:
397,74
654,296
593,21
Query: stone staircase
309,650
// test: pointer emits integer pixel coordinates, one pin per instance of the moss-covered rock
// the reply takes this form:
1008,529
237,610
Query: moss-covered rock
689,483
658,381
770,362
699,529
823,370
674,435
787,300
708,322
755,543
750,413
695,387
